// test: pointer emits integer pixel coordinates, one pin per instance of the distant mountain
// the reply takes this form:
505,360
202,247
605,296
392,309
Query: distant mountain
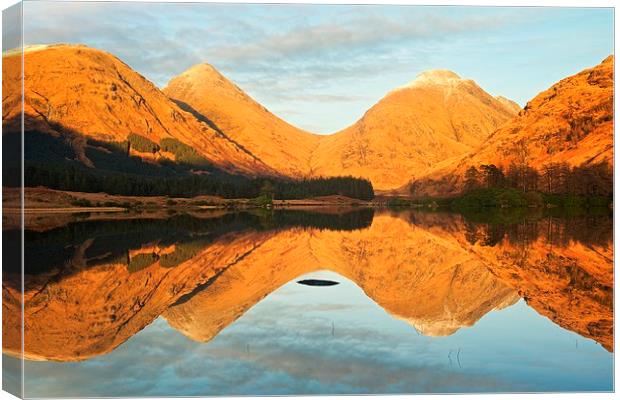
84,108
438,115
511,105
82,97
205,92
571,122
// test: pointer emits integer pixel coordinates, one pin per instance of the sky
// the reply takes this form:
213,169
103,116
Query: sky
320,67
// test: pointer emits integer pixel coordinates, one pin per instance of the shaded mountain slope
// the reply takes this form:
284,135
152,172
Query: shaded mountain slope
74,92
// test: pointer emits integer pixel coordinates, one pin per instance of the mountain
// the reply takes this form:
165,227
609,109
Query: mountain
86,109
82,97
509,104
571,122
205,92
436,116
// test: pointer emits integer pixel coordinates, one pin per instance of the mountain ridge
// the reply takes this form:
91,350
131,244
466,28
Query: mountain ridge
359,150
416,132
210,94
76,88
570,122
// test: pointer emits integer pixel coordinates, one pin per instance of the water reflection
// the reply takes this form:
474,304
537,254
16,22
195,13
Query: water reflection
93,284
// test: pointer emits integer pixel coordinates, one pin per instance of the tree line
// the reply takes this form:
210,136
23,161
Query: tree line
73,177
53,163
552,178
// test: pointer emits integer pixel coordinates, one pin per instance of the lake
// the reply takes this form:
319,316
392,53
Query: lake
322,301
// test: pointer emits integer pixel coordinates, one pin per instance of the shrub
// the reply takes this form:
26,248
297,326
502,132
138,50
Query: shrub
142,144
182,152
141,261
481,198
572,201
261,201
81,203
398,202
534,199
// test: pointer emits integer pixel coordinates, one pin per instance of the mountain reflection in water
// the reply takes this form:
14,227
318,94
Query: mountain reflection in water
91,285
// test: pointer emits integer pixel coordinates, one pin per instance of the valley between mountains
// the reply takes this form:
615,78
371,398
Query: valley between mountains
92,124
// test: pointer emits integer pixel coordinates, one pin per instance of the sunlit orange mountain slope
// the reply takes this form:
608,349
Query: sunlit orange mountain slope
428,131
570,122
511,105
436,116
72,92
209,95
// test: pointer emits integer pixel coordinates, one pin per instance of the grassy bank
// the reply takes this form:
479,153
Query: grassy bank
496,198
514,198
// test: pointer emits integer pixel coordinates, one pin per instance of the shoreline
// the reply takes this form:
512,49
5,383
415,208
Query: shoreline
70,210
45,200
61,210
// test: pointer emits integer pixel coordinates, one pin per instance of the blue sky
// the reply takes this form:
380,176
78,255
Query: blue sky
321,67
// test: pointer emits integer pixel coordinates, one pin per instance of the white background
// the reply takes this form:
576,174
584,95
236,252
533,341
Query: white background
592,3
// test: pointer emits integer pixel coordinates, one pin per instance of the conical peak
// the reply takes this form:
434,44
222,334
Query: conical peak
437,76
204,76
202,71
608,59
202,67
434,77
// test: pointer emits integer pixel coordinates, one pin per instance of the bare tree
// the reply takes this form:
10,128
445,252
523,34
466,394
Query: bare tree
472,178
522,157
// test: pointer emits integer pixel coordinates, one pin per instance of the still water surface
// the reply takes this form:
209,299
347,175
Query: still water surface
210,304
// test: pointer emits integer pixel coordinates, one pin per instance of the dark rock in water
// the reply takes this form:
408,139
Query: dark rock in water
317,282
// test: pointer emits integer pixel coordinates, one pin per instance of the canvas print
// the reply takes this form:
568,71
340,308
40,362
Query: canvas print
205,199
